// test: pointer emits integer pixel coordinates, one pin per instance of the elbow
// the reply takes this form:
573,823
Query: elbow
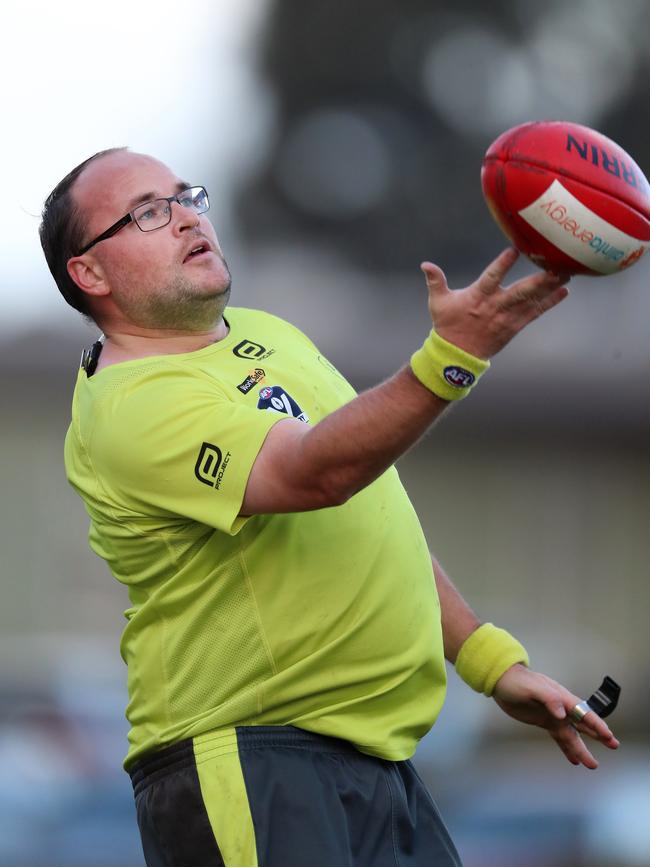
323,482
333,490
337,498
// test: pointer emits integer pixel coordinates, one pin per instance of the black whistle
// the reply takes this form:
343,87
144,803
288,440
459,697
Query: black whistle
90,357
605,699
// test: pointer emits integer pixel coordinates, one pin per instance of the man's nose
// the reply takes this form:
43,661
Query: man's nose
183,218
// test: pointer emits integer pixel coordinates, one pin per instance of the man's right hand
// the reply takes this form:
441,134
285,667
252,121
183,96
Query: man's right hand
485,316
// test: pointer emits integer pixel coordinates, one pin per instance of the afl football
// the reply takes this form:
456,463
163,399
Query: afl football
568,197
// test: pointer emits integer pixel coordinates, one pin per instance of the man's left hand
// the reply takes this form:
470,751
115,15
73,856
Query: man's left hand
535,699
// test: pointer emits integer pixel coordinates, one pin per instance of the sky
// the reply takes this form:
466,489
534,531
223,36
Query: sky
79,77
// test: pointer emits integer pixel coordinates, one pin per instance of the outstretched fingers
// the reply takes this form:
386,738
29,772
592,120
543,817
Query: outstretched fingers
491,279
567,734
597,729
534,295
574,748
485,316
534,287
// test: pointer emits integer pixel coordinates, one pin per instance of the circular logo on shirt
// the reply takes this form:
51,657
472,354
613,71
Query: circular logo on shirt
266,392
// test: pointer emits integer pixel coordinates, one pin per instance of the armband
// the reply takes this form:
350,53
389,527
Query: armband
486,654
445,369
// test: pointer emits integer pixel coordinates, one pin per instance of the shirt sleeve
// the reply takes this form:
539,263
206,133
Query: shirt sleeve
173,444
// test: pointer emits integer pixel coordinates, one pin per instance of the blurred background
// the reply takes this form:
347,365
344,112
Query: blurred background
341,144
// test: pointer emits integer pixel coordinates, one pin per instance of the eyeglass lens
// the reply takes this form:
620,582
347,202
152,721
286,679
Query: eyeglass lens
157,213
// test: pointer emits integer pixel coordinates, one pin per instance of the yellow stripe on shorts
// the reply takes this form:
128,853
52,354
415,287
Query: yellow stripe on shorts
224,794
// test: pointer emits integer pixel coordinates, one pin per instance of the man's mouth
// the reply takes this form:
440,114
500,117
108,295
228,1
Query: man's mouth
196,252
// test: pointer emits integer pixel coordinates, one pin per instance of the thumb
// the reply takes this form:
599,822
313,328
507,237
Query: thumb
435,277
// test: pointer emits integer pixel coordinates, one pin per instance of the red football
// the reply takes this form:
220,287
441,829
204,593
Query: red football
568,197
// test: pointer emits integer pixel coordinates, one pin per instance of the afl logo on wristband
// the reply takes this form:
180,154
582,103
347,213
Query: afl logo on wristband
458,377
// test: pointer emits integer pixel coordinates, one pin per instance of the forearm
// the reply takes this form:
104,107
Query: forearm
354,445
458,619
301,467
481,652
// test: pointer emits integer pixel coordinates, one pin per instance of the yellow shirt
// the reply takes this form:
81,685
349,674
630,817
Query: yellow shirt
327,620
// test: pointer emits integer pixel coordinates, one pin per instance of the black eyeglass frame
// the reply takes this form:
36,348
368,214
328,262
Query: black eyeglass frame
130,218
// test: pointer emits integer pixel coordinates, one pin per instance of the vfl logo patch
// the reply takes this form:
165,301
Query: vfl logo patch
254,378
276,398
211,465
458,377
249,349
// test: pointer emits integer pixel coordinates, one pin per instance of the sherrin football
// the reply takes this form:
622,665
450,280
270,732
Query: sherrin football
568,197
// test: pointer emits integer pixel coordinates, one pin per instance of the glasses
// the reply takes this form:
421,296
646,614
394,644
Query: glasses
155,214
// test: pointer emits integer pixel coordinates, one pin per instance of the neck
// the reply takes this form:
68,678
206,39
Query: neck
135,342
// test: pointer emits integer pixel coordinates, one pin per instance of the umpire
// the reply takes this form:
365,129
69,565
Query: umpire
287,631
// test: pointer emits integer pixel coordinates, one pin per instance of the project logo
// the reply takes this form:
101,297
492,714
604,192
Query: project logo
211,465
250,349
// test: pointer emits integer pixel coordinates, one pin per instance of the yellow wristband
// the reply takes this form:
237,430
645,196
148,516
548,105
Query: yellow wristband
486,655
445,369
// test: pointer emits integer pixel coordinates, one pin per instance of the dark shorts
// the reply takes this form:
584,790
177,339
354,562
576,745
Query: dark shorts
278,796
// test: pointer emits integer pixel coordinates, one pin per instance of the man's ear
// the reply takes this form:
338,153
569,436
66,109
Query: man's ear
88,274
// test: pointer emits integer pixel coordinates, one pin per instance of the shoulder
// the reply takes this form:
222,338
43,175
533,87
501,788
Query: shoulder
126,403
268,323
161,379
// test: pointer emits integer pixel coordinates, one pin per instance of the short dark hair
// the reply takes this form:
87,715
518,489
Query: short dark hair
61,232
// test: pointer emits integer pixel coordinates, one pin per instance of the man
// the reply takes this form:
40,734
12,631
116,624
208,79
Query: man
287,633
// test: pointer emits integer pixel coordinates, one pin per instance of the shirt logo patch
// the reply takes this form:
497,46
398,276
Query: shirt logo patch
276,398
254,378
249,349
211,465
